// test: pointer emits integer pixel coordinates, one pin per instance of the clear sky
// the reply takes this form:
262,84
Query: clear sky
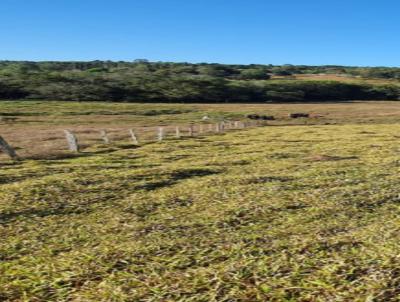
317,32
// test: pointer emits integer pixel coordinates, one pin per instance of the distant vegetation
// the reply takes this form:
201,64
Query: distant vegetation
143,81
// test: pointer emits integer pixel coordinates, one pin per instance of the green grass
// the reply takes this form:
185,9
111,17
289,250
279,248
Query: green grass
280,213
57,113
56,108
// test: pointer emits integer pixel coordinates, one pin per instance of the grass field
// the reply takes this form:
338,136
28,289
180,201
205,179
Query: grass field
338,77
35,128
299,211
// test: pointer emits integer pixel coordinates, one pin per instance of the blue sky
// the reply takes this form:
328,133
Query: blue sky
351,32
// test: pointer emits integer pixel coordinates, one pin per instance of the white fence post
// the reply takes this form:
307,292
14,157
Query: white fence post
72,141
104,136
134,137
190,130
177,132
160,135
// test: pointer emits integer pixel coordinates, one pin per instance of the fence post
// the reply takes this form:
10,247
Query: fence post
217,127
134,137
200,128
160,135
7,149
177,132
190,130
210,127
104,136
72,141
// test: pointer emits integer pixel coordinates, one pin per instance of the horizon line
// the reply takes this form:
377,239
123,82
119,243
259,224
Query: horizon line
143,60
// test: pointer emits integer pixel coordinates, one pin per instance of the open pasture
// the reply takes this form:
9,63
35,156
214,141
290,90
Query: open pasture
36,128
281,213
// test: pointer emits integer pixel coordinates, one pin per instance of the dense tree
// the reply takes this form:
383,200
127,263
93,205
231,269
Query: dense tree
254,74
8,91
146,81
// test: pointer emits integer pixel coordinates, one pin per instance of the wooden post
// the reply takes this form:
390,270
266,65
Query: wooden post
190,130
217,127
201,129
7,149
134,137
177,132
104,136
160,135
210,127
72,141
236,124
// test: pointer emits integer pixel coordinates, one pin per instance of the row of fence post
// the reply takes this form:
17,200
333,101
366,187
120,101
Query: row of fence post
161,134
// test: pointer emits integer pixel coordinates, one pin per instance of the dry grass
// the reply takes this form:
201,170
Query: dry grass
338,77
242,216
36,128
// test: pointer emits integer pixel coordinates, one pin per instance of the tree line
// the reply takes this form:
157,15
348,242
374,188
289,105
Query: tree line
143,81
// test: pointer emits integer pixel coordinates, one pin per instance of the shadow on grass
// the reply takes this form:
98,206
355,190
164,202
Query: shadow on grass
321,158
32,213
54,156
67,209
58,155
266,179
175,177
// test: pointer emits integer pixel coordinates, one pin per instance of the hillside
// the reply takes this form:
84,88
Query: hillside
143,81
